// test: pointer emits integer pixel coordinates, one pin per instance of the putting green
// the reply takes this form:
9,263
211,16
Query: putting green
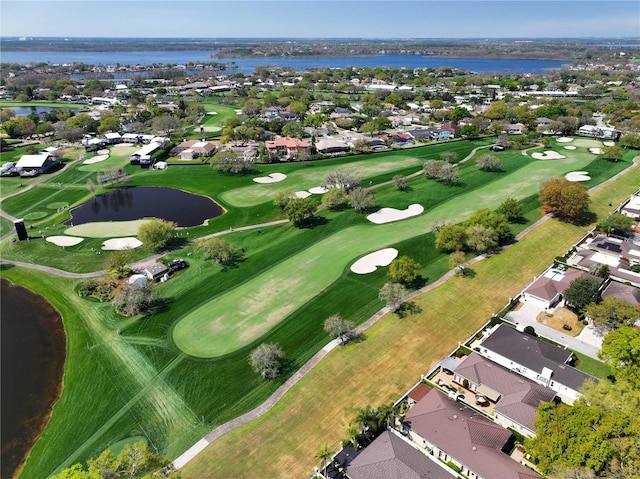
240,316
57,204
306,178
35,215
106,229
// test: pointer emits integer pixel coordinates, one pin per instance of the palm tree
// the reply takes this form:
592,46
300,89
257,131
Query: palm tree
386,413
353,436
367,418
324,454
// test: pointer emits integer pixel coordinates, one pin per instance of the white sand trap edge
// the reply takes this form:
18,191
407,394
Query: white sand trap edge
318,190
596,151
272,178
95,159
387,215
578,176
548,155
121,243
64,240
301,194
570,147
369,263
103,152
564,139
609,143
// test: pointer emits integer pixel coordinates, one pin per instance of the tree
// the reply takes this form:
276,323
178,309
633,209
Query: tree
300,210
135,461
282,199
337,327
404,270
567,199
469,131
400,181
458,261
630,140
109,122
230,162
218,250
335,198
451,238
361,199
165,124
581,292
156,234
491,220
392,294
510,209
293,129
324,455
266,360
616,223
481,239
368,420
612,153
449,156
489,163
612,313
118,262
133,299
441,171
621,350
342,179
91,187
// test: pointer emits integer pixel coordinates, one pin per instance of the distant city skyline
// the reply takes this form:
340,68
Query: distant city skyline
379,19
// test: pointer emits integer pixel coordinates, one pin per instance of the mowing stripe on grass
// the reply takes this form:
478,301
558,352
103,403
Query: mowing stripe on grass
240,316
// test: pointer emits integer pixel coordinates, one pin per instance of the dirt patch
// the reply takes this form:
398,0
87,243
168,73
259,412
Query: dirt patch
559,318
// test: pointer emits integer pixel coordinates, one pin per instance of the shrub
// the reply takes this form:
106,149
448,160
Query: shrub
530,331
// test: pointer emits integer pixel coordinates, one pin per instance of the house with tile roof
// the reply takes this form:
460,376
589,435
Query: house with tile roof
516,398
547,289
454,433
535,359
284,147
391,456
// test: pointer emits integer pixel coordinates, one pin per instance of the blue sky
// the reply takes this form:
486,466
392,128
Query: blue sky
321,18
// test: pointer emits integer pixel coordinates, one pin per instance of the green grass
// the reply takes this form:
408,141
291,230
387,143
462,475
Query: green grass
106,229
141,384
592,366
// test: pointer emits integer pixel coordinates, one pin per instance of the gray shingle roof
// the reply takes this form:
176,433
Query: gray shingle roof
535,354
390,457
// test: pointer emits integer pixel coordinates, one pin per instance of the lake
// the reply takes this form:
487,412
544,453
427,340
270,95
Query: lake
248,65
28,110
125,204
33,353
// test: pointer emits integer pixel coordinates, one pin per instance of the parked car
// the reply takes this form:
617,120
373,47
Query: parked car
496,148
178,264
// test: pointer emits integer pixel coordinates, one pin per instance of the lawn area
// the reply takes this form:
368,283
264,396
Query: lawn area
292,279
379,369
592,366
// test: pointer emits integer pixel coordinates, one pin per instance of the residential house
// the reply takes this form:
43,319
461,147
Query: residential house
547,289
454,433
33,165
516,398
331,145
602,132
393,456
515,129
418,392
543,123
421,135
616,253
535,359
438,134
285,148
142,156
155,271
632,207
188,150
625,292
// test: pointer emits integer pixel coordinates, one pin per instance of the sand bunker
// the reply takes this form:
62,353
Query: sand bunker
103,152
121,243
596,151
570,147
95,159
318,190
609,143
301,194
547,155
369,263
272,178
387,215
564,139
211,129
578,176
64,240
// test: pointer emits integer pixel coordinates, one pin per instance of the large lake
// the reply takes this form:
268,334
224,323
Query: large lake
248,65
33,352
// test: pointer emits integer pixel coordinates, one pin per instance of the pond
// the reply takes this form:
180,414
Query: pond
183,208
33,353
28,110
